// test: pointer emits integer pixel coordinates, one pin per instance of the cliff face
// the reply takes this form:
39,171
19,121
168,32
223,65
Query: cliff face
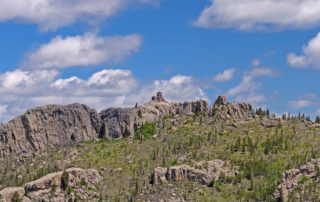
49,126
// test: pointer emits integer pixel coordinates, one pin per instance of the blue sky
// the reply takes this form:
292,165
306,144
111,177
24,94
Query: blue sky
118,52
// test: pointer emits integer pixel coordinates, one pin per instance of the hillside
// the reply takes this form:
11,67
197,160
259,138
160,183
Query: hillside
162,151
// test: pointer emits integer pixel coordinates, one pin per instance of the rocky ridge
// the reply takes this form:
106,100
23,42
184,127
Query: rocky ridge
54,125
70,185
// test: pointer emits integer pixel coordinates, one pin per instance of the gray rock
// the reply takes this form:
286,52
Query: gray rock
117,120
290,178
225,111
48,126
48,188
203,173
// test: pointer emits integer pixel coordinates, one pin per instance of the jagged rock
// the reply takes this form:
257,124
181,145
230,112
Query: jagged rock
290,178
224,110
49,188
204,173
49,126
117,120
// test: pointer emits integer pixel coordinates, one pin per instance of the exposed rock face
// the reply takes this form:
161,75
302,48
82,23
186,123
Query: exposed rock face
224,110
118,120
291,178
49,188
49,126
204,173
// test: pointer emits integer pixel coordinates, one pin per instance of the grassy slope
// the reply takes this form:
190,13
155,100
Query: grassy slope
262,155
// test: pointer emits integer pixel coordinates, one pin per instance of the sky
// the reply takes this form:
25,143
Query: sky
115,53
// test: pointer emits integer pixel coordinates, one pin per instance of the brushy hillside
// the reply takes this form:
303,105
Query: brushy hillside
261,153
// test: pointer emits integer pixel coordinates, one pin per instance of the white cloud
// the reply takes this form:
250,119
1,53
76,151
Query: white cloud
24,82
299,104
52,14
260,14
248,84
310,55
247,89
179,88
82,51
226,75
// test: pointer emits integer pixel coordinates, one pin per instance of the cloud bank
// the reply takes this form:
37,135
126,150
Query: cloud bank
53,14
260,14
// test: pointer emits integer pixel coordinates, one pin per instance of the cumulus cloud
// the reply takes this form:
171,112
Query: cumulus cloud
21,90
180,88
310,55
226,75
85,50
247,89
260,15
52,14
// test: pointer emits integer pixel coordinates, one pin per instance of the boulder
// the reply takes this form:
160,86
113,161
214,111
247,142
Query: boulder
54,187
8,194
203,173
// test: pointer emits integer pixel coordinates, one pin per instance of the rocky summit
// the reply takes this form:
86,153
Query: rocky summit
159,151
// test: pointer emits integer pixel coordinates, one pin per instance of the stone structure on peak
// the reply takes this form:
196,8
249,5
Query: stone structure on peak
158,98
221,100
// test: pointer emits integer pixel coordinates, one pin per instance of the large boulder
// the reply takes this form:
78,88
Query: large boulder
52,125
12,194
69,185
203,173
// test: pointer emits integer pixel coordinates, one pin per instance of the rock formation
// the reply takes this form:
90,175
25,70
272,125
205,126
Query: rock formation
48,126
204,173
54,125
224,110
71,185
117,120
291,178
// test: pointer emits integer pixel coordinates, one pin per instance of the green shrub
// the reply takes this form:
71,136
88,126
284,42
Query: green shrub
146,131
